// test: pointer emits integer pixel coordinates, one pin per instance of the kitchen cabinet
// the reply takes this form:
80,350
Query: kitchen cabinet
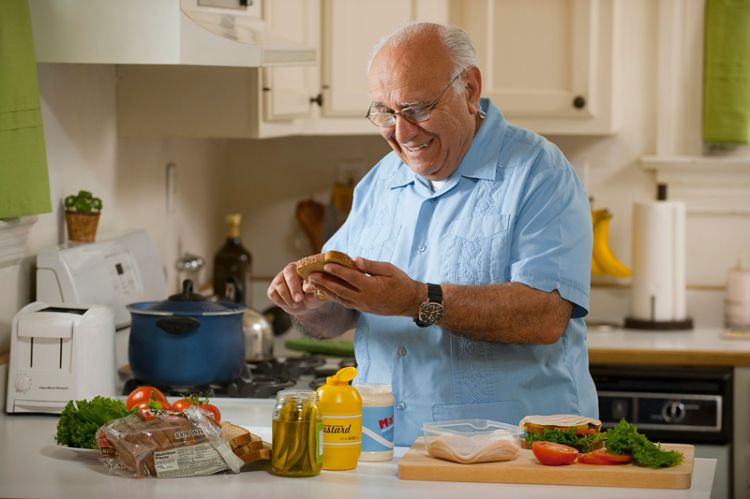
330,97
548,65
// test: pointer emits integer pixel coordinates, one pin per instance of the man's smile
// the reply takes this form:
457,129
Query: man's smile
417,147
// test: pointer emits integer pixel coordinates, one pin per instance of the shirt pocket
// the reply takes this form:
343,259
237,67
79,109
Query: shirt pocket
478,249
376,242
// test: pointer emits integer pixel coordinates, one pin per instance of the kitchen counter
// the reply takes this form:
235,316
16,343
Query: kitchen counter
697,347
32,466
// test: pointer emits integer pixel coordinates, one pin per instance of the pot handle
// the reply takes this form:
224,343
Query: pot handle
177,325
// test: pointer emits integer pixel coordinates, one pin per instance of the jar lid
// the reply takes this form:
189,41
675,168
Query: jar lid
295,393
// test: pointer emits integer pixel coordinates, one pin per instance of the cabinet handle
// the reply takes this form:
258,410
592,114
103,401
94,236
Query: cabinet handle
579,102
318,99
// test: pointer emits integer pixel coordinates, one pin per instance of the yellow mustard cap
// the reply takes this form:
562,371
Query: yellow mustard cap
342,376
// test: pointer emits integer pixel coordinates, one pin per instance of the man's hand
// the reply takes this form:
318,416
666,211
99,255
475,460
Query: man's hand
287,290
379,287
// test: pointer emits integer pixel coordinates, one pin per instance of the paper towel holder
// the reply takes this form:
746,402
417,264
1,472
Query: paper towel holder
648,325
651,323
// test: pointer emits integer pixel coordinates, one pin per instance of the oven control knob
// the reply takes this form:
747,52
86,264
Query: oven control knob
673,412
619,409
23,383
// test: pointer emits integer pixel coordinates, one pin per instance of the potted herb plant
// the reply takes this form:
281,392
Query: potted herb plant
82,216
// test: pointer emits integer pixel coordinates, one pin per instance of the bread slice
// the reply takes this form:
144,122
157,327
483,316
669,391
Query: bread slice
249,455
315,263
235,436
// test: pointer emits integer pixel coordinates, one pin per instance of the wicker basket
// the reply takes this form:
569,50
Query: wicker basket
82,226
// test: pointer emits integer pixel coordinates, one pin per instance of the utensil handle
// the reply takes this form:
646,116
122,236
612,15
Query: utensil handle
177,325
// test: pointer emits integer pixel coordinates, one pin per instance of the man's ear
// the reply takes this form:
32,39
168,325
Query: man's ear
473,81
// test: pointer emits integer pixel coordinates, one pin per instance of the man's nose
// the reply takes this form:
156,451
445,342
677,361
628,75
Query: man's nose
405,130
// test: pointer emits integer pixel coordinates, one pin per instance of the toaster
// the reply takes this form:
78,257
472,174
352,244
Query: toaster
60,353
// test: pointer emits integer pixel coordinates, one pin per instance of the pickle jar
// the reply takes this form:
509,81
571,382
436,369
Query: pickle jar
297,434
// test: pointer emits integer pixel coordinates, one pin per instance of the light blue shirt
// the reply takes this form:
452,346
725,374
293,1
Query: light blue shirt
513,211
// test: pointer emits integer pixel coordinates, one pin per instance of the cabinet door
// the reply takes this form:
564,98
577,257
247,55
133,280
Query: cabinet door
350,30
287,90
546,63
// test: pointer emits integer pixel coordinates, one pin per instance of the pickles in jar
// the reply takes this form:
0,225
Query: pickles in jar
297,432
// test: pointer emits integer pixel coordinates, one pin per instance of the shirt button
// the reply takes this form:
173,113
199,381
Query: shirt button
402,351
422,248
401,406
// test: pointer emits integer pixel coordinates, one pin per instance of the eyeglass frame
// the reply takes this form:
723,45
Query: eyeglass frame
429,107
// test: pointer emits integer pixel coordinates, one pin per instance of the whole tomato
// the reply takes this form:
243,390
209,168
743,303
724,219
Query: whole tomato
146,394
212,410
181,404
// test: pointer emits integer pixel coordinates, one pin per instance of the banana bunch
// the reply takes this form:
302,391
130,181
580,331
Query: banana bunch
604,260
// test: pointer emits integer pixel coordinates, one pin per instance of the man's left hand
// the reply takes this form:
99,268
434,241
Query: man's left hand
378,288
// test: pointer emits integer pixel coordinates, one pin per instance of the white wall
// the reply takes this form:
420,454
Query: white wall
83,152
264,179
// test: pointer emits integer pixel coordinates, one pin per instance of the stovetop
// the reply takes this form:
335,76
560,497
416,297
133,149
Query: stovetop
261,378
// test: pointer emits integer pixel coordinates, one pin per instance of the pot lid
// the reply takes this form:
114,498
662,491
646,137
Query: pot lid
188,302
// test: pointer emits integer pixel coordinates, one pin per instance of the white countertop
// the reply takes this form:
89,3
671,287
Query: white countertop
33,466
701,346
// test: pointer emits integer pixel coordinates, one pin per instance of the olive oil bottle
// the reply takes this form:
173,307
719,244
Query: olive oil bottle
233,266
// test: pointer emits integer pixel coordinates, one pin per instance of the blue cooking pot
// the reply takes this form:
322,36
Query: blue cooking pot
186,340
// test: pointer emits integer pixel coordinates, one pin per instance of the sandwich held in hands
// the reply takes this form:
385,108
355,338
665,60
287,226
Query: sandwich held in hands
317,262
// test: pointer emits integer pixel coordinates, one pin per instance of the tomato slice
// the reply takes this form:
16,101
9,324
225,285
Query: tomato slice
554,454
603,456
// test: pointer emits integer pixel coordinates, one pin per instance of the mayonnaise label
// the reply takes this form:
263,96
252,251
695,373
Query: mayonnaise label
377,428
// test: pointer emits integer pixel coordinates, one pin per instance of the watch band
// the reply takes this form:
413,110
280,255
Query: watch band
434,293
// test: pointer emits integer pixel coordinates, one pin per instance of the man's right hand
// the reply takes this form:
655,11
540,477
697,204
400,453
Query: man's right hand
287,290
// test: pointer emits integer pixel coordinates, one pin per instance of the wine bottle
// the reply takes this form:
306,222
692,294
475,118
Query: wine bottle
233,265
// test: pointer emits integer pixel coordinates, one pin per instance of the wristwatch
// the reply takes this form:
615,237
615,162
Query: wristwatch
431,311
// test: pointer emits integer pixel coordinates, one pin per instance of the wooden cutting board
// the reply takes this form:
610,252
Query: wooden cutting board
418,465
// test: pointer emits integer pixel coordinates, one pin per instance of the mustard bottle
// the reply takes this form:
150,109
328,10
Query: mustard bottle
341,408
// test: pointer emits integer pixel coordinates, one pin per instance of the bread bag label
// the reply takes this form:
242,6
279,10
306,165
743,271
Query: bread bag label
193,460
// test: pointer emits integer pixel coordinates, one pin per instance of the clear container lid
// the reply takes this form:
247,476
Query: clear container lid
472,427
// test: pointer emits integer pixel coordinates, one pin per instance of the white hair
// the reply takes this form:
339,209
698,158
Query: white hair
454,39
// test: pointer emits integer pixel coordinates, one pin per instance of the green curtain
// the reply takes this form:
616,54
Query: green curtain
24,182
726,86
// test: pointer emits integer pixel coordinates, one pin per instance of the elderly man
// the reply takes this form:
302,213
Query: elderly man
473,247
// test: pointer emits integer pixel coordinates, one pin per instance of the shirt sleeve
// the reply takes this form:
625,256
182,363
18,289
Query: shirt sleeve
552,235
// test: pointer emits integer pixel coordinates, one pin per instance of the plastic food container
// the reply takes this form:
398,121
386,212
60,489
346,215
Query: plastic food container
472,440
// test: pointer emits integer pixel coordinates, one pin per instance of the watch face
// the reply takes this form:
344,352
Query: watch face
430,312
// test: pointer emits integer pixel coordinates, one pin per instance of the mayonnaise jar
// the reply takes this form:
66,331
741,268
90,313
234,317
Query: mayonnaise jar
377,422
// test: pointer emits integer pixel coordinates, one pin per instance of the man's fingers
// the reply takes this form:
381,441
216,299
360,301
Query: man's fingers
372,267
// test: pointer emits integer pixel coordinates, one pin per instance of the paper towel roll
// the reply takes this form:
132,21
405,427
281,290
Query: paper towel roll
659,261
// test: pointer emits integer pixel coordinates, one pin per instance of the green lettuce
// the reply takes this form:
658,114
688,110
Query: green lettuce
81,418
625,439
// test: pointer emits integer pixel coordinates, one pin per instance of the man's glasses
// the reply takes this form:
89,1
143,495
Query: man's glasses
386,117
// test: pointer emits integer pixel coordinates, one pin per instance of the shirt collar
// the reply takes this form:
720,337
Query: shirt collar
480,160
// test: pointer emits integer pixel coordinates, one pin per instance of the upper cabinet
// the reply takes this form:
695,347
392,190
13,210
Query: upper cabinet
190,32
547,64
330,97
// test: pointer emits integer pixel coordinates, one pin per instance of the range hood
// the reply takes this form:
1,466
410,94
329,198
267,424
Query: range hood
189,32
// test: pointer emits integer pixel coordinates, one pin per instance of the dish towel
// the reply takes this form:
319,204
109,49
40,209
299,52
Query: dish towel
24,181
726,85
